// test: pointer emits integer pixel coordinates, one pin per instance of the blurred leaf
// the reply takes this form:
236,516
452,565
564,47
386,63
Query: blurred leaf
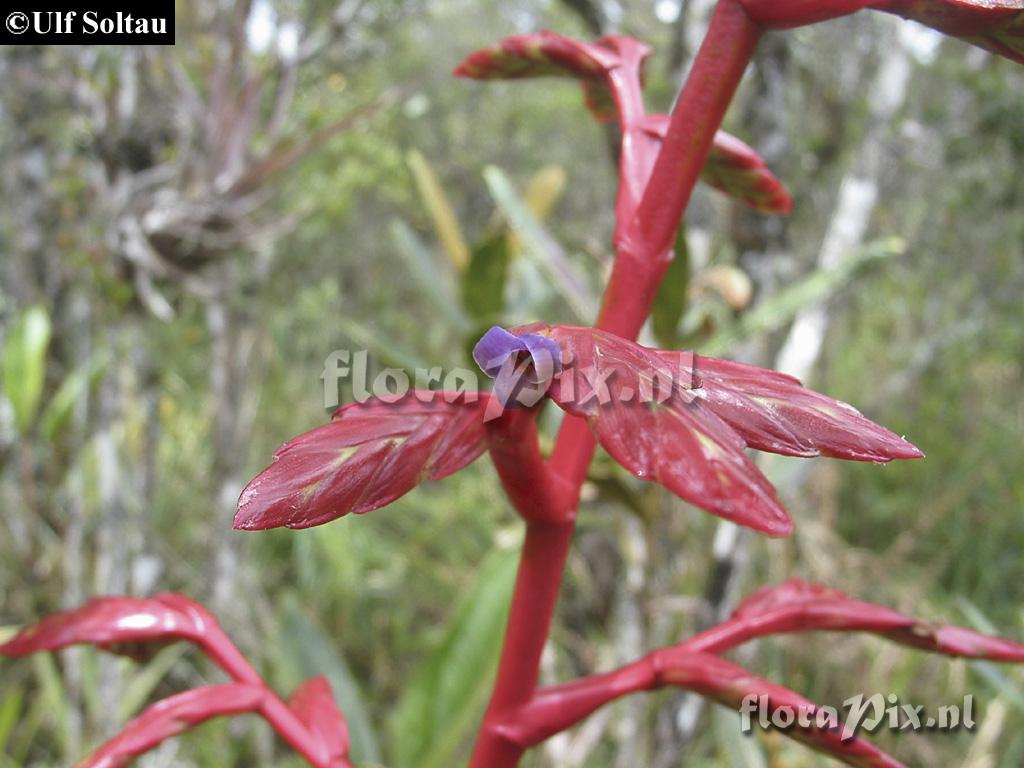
429,275
783,307
670,303
306,652
449,233
542,194
445,698
383,347
483,284
10,713
76,386
53,699
545,190
743,752
24,364
540,245
147,677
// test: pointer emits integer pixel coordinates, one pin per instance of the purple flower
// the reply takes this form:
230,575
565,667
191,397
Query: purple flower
522,366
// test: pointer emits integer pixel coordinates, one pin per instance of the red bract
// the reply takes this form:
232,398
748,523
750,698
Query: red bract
606,71
997,25
548,54
735,168
368,456
774,412
313,703
173,716
123,625
799,606
728,684
683,421
559,707
658,431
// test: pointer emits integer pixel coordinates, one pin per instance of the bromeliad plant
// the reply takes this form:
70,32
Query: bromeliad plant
674,418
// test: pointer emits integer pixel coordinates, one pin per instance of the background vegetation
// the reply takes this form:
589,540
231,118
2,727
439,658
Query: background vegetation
188,232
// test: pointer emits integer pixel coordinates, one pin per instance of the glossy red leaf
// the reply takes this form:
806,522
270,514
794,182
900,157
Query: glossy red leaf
997,25
173,716
558,707
729,684
774,412
690,435
369,455
313,703
659,431
124,625
735,168
800,606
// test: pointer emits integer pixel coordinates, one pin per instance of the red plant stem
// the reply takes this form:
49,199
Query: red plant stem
538,494
645,249
225,654
643,253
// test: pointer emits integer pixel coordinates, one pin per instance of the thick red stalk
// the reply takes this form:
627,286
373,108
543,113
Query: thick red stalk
643,251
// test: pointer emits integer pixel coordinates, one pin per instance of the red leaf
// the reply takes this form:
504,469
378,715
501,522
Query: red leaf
774,412
124,625
670,438
732,167
173,716
997,25
314,705
735,168
729,685
559,707
783,14
683,421
799,606
549,54
368,456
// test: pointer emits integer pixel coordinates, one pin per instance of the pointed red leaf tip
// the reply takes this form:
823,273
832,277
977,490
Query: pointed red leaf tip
173,716
683,421
313,703
774,412
545,54
997,25
656,429
730,685
735,168
799,606
123,625
369,455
